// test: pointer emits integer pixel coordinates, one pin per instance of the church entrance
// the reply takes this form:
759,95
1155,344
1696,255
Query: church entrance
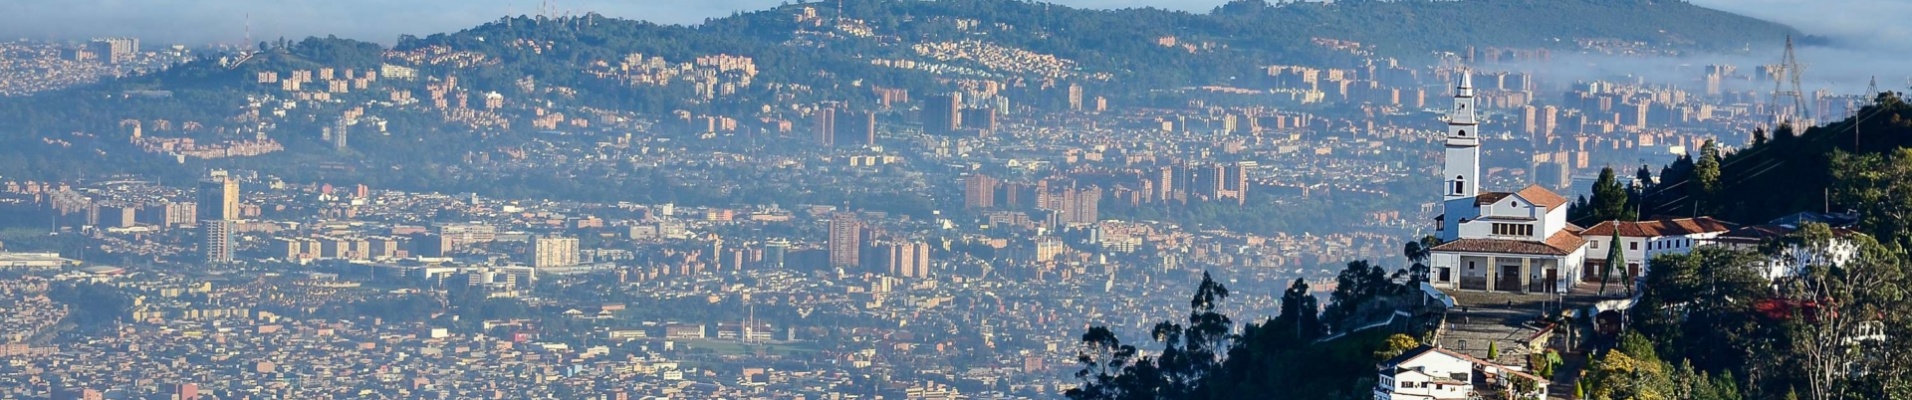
1509,279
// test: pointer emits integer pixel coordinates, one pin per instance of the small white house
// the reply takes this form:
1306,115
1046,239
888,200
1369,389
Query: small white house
1433,373
1426,373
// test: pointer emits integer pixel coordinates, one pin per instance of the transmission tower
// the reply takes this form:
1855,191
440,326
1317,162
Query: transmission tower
1786,87
1872,91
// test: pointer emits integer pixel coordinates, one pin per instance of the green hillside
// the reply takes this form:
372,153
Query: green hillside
1848,165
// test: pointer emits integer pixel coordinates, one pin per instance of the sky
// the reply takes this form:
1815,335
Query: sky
1872,40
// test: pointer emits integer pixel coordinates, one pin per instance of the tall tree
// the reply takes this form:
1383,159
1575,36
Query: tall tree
1706,174
1609,198
1417,253
1357,288
1190,353
1300,308
1880,189
1842,288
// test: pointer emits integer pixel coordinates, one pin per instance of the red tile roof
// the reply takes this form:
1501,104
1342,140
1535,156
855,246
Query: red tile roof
1540,196
1560,244
1664,227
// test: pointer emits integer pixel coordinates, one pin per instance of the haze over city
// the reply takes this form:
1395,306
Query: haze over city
1863,32
955,199
1872,22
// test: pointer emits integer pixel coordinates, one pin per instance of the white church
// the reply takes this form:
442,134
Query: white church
1518,242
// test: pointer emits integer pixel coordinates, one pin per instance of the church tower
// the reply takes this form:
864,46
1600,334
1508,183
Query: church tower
1462,170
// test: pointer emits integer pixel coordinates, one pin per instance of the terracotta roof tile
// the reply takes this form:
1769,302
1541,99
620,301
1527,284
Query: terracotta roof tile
1533,194
1542,197
1560,244
1664,227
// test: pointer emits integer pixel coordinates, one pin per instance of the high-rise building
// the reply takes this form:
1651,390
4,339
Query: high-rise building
340,129
1166,183
1549,120
823,126
942,114
1234,183
858,129
218,241
979,119
218,197
114,50
553,251
846,236
1220,182
903,258
1075,97
1530,119
774,253
1081,206
979,192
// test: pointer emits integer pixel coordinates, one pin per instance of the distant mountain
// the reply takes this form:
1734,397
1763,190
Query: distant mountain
805,53
1140,48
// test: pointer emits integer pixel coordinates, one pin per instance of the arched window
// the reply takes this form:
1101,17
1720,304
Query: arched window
1459,182
1463,133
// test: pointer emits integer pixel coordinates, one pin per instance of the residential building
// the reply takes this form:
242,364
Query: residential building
553,251
218,197
1640,241
217,240
846,235
1433,373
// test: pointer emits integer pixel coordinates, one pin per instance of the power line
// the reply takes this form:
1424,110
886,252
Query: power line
1786,86
1763,167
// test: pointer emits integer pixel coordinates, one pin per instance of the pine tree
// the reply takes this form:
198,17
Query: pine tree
1493,350
1609,197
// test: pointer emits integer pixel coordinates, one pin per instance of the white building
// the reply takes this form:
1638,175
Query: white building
1640,241
1789,258
1433,373
1498,241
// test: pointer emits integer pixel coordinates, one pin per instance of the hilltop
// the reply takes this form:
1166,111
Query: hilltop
791,56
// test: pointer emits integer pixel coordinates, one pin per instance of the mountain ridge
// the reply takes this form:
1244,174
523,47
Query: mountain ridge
805,56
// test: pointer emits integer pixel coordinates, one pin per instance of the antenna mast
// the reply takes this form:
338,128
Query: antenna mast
1871,99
